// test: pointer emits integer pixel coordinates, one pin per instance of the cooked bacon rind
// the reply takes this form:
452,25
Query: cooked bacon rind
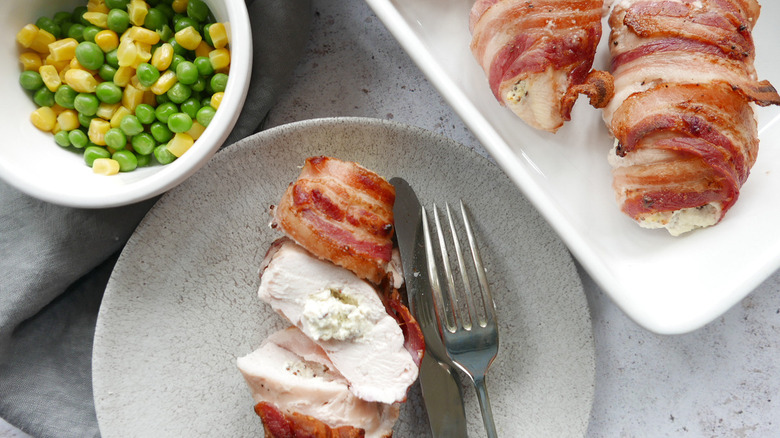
550,44
341,212
686,133
277,424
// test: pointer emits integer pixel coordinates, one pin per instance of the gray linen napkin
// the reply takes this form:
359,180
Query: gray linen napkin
55,261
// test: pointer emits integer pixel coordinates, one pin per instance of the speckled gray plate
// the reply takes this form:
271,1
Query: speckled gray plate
181,304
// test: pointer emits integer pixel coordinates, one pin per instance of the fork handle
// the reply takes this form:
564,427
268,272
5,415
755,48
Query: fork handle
484,406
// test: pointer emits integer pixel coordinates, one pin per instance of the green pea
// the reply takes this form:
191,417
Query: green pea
175,61
43,97
109,92
92,153
197,10
178,48
116,139
117,4
131,126
219,82
147,74
166,33
65,96
190,107
166,9
50,26
185,22
85,120
165,110
199,85
78,15
79,139
62,17
61,138
163,155
86,104
89,55
118,20
90,32
186,73
205,114
112,59
207,34
179,92
143,143
145,113
107,72
143,160
155,19
76,31
160,132
203,63
126,159
161,99
65,26
179,122
30,80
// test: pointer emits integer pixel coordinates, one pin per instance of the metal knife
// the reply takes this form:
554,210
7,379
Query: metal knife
440,389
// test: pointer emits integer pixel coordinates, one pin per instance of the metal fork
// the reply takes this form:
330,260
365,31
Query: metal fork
470,336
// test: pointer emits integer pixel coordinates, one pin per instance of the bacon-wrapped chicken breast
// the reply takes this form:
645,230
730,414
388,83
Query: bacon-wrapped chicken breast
685,132
538,54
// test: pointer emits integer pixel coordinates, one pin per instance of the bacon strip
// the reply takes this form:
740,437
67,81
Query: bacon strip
341,212
280,425
685,130
538,56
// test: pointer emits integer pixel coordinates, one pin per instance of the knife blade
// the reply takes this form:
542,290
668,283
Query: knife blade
440,389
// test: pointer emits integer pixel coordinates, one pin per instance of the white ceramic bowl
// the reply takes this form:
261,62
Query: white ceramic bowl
32,162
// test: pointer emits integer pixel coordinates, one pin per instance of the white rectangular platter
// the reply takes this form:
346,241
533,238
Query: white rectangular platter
668,285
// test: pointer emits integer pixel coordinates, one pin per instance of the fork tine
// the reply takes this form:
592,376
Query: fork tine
487,296
467,317
450,316
433,272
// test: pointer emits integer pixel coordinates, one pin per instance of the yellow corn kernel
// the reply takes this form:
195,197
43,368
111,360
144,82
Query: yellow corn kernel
150,98
119,114
30,61
106,110
180,143
143,53
44,118
203,49
216,99
58,65
123,75
68,120
27,34
81,80
162,57
63,50
99,19
218,35
142,35
132,97
126,52
41,41
97,6
105,166
180,6
137,9
107,40
97,131
164,82
189,38
50,76
135,82
197,130
220,58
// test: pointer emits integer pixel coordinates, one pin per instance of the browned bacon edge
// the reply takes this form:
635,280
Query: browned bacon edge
277,424
414,342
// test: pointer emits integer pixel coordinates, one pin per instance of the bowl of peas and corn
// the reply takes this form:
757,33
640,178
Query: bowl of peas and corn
117,101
